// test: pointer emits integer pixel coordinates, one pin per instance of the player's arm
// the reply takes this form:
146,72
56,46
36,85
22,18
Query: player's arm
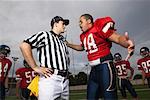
143,74
142,71
109,32
75,46
123,40
6,84
132,72
18,80
7,79
27,53
17,89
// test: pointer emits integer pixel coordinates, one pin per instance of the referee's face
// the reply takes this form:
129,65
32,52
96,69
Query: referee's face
61,26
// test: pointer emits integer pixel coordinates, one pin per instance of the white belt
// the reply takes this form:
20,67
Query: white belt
98,61
122,77
56,72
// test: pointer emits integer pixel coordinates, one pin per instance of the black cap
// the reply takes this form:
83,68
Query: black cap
56,19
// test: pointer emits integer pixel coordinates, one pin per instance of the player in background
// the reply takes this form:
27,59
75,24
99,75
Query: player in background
124,73
5,65
24,77
144,64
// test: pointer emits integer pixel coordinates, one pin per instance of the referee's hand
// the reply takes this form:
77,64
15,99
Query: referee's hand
46,72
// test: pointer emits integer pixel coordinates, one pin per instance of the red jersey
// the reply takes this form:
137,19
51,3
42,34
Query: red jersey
122,67
5,65
95,40
25,75
144,64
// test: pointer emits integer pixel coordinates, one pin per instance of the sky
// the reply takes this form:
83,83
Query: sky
20,19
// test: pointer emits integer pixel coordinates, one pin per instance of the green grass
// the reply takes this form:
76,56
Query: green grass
142,91
142,94
11,98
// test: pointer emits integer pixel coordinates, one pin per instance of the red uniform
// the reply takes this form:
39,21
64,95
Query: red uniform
5,65
123,81
144,64
94,40
122,67
26,75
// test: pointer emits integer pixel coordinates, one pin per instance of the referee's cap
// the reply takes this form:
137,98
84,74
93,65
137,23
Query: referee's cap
56,19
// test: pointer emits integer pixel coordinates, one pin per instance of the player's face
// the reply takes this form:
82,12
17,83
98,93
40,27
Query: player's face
117,58
144,53
2,56
83,24
61,26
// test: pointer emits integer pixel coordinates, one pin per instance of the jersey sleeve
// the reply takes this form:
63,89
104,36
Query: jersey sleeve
18,74
128,65
9,66
37,40
139,66
81,40
130,68
105,26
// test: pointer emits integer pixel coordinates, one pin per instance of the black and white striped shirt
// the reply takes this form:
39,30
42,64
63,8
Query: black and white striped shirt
52,51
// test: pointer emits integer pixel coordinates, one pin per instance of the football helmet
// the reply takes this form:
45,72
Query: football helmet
26,64
5,50
144,51
117,57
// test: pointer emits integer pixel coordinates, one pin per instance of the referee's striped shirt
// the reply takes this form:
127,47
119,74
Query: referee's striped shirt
52,51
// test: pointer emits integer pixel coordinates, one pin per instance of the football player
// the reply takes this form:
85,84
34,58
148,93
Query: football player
24,77
96,39
5,65
123,67
144,64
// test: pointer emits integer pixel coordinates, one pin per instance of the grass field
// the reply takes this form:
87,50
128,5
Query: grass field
142,91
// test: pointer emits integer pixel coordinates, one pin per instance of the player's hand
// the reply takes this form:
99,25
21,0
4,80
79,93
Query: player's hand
46,72
130,47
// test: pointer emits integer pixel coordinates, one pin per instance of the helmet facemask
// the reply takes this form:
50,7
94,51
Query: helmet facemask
3,53
144,52
117,57
4,50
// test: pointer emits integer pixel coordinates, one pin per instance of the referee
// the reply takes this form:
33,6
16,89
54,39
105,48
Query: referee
53,58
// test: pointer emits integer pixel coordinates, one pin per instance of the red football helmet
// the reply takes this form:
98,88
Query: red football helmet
144,52
117,57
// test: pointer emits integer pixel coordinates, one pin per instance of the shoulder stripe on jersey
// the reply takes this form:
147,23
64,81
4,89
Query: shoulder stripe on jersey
107,27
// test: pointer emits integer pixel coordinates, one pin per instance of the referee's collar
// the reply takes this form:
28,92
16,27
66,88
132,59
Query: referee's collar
55,33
